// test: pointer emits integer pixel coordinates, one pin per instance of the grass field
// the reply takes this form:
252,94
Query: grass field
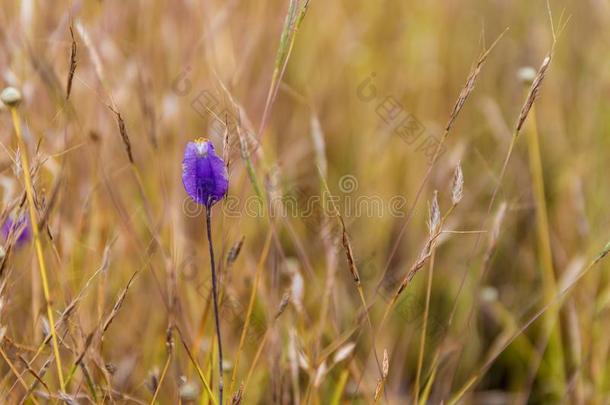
417,208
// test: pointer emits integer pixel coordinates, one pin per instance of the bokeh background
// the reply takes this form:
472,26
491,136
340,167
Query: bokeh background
296,96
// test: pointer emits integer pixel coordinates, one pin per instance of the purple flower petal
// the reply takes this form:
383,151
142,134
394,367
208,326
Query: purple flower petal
204,173
20,228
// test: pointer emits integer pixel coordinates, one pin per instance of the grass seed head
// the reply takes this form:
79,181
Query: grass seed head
11,97
457,188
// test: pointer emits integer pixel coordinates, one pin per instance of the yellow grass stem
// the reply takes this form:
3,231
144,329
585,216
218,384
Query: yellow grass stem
256,357
339,387
554,356
423,400
29,190
161,378
422,337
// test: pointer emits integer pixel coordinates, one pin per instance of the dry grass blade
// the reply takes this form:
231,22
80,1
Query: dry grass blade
72,65
15,371
118,304
33,373
123,133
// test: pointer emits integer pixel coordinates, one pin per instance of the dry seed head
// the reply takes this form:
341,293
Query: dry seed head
344,352
153,380
227,365
526,74
110,367
320,373
11,96
235,250
303,361
283,304
319,145
457,188
189,391
237,397
533,93
497,223
386,364
489,294
297,288
68,399
378,390
434,217
44,325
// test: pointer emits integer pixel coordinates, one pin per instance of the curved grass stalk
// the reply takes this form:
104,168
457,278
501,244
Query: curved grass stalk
29,190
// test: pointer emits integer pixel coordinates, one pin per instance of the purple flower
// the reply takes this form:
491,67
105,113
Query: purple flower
20,229
204,173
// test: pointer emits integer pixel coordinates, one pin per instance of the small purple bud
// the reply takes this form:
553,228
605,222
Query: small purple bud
204,173
20,229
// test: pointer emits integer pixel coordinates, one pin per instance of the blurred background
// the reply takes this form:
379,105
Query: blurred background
331,117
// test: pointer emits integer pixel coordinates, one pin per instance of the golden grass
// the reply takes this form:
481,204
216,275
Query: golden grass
498,293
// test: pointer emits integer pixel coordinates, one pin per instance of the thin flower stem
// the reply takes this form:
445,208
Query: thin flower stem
208,213
29,190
